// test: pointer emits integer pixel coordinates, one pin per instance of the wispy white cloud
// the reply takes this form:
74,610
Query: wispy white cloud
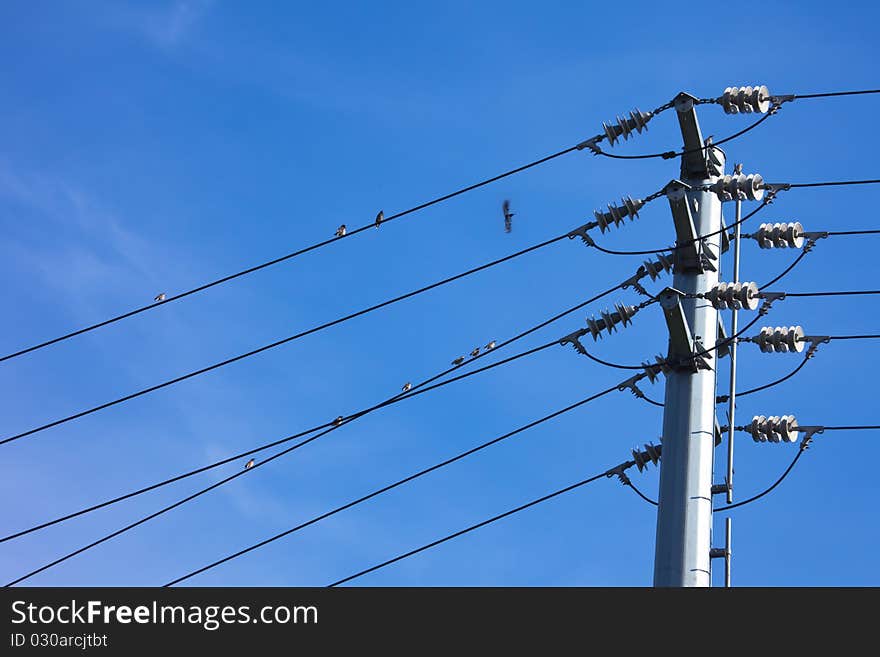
164,27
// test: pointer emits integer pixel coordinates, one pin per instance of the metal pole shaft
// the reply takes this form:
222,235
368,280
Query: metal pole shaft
684,516
728,548
731,406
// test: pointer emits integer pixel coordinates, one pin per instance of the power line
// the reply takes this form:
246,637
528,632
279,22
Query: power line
830,294
330,426
832,184
838,93
388,487
278,343
418,388
500,516
286,257
278,455
785,271
777,381
854,337
854,232
801,450
640,493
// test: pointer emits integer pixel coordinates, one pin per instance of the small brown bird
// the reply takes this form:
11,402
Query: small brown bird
380,218
490,346
249,465
159,297
458,361
475,352
340,232
508,215
407,386
337,421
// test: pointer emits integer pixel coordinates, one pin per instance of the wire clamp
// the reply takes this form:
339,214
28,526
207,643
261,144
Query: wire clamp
574,340
592,143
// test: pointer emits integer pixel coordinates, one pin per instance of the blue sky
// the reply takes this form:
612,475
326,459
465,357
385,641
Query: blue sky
149,147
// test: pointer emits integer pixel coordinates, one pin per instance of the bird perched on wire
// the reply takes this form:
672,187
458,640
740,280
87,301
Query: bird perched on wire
407,387
508,215
490,346
380,218
340,232
458,361
337,421
475,352
249,465
159,297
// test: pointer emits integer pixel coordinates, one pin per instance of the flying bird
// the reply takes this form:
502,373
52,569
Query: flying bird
458,361
337,421
380,218
159,297
249,465
340,232
407,386
475,352
490,346
508,215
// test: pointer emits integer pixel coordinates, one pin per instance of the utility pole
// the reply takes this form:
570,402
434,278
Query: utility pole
684,516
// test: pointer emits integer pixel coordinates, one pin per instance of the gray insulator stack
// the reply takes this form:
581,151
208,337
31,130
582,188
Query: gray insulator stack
734,296
773,429
782,339
745,100
608,321
625,126
739,187
650,455
780,235
655,268
617,213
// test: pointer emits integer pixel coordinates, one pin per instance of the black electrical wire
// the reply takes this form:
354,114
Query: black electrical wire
785,271
416,389
853,232
278,343
854,337
288,256
774,383
862,427
500,516
386,488
765,492
833,183
651,401
330,426
670,249
830,294
640,493
668,155
614,365
837,93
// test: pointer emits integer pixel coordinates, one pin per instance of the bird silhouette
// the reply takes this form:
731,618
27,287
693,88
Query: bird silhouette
458,361
380,218
407,386
249,465
508,215
340,232
159,297
475,352
490,346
